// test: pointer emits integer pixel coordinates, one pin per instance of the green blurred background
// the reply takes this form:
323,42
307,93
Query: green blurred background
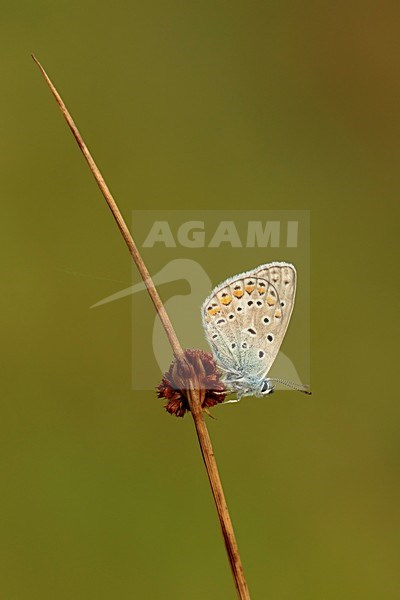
201,105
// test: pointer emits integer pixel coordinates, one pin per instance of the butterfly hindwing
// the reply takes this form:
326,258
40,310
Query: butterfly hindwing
246,317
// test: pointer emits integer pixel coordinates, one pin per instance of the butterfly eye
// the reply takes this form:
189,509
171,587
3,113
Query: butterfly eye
267,387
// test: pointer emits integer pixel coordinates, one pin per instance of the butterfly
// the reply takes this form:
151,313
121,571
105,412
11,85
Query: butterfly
245,320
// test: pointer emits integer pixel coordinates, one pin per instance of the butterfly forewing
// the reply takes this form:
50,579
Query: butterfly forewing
283,278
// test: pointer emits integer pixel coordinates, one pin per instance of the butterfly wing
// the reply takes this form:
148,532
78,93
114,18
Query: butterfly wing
282,276
246,318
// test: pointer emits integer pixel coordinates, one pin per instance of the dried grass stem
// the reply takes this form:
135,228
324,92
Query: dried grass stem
194,391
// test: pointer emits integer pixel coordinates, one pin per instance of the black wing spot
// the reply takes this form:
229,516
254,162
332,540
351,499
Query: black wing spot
231,316
239,309
244,345
259,303
220,321
214,337
282,303
270,337
250,303
266,320
261,354
252,331
233,345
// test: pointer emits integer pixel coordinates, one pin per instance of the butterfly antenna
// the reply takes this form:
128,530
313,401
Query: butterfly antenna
299,387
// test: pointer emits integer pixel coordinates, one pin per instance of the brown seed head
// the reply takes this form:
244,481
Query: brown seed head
174,385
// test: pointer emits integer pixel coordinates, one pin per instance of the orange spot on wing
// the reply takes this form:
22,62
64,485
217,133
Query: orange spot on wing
278,313
249,288
227,300
238,293
271,301
261,291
